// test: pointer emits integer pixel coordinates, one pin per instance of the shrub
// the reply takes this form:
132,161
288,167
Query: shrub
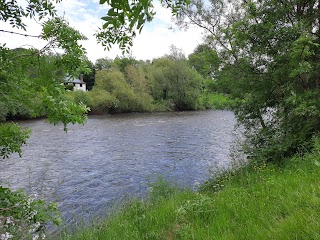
101,101
69,87
23,216
81,97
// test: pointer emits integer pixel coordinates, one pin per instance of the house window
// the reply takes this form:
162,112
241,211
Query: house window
80,85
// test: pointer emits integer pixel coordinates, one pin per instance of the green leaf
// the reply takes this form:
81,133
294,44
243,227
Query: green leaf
112,12
107,18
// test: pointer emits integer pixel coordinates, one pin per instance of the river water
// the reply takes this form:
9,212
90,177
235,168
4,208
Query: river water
94,165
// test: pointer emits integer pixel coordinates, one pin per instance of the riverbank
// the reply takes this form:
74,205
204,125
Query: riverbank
98,106
256,202
214,101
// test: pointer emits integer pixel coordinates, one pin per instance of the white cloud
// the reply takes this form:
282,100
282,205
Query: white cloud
156,43
14,41
85,16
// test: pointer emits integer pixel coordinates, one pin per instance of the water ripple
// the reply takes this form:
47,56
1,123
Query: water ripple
93,165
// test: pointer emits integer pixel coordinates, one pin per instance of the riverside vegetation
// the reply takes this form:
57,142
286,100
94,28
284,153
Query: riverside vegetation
258,201
169,83
264,55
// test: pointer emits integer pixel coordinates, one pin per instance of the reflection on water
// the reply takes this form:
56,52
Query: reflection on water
109,157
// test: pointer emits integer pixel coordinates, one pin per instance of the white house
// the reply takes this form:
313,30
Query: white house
78,84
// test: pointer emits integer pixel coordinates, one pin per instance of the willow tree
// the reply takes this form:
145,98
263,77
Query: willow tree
175,81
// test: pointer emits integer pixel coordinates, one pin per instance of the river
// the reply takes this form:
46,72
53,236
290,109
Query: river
91,166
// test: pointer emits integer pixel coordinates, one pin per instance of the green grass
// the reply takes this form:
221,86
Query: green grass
256,202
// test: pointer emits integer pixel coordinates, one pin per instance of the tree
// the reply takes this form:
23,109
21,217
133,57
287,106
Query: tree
126,91
122,62
30,81
269,52
285,36
14,12
89,76
205,60
26,75
175,81
121,24
159,82
104,64
114,83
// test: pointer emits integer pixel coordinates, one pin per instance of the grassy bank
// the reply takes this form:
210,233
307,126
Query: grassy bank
256,202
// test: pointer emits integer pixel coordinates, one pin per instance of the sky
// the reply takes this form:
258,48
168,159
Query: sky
85,15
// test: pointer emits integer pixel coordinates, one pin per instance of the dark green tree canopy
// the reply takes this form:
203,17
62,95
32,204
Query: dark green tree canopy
205,60
269,61
174,80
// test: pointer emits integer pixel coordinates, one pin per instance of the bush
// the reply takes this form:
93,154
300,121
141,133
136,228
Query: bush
23,216
81,97
101,101
69,87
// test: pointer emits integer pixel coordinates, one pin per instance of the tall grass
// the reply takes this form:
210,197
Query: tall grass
255,202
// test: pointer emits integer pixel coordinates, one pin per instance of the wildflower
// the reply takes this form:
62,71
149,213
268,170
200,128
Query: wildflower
32,214
35,237
9,220
196,184
35,227
5,236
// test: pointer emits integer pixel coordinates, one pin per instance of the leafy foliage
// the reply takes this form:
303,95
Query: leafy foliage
126,93
14,12
205,60
31,79
104,64
60,110
125,18
30,85
175,81
23,217
269,53
127,85
121,23
60,35
12,137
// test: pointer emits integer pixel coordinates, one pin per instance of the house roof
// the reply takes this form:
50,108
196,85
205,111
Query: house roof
74,80
78,81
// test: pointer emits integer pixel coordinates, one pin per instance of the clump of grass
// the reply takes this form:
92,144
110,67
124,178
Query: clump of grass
140,219
259,201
